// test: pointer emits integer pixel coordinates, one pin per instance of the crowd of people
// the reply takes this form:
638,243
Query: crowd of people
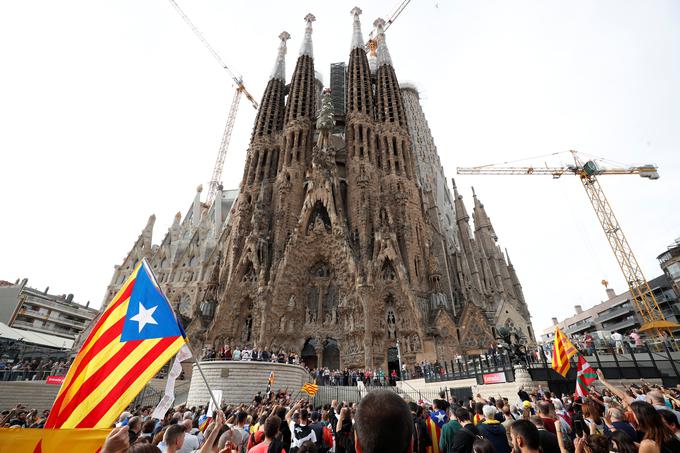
36,369
353,377
641,418
250,354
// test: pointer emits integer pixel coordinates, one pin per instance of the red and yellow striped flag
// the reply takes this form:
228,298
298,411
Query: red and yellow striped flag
563,350
132,339
310,389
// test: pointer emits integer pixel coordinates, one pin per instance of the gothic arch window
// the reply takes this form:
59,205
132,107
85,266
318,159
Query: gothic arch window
391,324
321,295
249,273
319,213
388,273
184,305
384,218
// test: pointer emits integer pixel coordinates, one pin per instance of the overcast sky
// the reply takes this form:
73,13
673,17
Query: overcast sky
113,110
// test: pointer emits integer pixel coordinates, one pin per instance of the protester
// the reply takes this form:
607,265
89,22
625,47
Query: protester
448,431
468,433
656,435
525,437
383,424
492,430
547,440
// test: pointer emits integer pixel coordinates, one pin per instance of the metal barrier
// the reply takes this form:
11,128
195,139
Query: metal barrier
28,375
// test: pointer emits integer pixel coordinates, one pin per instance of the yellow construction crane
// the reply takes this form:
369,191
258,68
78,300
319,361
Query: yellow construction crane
215,180
643,297
372,44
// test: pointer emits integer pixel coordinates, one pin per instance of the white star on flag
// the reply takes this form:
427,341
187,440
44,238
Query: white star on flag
440,416
145,316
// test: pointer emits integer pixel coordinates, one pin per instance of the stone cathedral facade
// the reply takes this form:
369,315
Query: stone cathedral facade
339,242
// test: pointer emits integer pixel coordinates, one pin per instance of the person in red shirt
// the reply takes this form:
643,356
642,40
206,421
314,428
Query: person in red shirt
544,412
271,429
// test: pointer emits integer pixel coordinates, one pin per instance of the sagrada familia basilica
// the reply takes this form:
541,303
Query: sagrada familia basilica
343,237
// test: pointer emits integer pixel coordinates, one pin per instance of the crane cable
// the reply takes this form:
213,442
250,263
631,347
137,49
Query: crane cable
238,80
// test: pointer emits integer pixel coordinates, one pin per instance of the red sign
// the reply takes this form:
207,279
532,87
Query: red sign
494,378
58,380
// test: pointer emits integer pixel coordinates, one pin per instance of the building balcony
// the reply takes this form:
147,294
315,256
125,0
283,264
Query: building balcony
611,314
626,323
60,307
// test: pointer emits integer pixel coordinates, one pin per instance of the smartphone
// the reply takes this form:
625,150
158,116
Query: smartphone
579,426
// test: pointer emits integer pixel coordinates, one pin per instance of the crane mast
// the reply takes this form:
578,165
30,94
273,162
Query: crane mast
642,294
216,178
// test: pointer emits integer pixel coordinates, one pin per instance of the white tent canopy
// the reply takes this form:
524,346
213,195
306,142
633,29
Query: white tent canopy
28,336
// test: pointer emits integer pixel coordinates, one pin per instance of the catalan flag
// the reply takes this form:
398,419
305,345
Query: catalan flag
129,343
563,350
270,382
310,389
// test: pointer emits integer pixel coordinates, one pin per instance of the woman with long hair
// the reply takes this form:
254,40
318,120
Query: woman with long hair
657,437
622,442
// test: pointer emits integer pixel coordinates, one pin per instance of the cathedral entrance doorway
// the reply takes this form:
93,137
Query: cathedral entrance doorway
393,363
331,355
308,355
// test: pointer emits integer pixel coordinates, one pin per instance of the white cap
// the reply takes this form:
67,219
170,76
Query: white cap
307,48
382,51
279,71
357,37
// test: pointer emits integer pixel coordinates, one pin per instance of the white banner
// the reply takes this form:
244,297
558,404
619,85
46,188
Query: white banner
166,402
217,394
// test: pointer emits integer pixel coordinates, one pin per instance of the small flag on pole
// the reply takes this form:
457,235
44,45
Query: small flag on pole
585,375
310,389
563,350
270,382
132,339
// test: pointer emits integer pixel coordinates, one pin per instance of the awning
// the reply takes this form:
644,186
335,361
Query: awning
28,336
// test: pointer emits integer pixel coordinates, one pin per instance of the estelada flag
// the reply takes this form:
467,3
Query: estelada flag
563,350
585,375
435,422
310,389
129,343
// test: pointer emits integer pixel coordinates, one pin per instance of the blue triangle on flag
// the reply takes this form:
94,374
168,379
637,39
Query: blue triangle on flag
149,314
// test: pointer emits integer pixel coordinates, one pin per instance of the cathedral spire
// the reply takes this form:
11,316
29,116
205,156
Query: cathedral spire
301,95
279,71
480,216
461,211
383,53
307,47
357,37
270,114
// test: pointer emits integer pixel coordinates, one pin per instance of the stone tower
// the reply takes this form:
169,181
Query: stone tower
331,250
343,238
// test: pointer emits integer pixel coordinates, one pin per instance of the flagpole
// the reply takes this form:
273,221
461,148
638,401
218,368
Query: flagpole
200,370
198,365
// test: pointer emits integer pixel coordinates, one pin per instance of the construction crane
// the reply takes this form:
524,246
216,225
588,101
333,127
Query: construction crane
372,44
216,177
643,297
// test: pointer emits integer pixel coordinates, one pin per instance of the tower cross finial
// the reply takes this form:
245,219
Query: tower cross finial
279,71
382,51
357,37
307,48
